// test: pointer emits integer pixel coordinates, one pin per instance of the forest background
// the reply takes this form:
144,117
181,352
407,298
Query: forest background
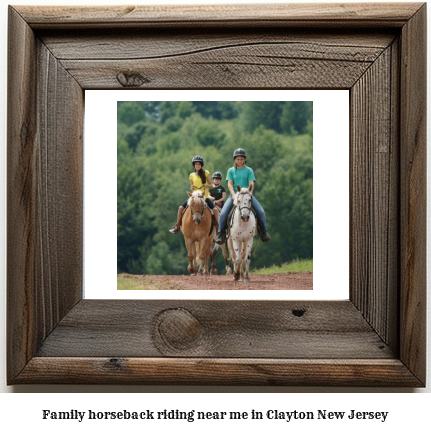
156,142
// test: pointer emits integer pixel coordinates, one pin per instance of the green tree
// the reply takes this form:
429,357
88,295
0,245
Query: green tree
155,144
217,110
296,116
266,114
130,113
209,132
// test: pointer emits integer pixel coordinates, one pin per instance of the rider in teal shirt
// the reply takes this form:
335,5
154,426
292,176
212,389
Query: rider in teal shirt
240,177
243,176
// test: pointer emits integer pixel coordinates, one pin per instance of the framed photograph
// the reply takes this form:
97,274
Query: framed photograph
295,161
376,337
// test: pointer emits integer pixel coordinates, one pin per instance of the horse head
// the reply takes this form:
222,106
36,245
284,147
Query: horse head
196,203
243,202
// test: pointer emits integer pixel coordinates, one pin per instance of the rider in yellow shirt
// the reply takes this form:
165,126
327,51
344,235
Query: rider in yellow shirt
199,180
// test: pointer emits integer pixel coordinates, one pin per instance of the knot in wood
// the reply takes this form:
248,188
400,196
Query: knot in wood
131,79
178,329
298,312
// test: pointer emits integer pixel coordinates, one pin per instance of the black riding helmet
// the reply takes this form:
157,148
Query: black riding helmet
239,152
217,175
198,159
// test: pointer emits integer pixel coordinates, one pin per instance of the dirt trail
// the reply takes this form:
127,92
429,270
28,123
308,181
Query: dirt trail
285,281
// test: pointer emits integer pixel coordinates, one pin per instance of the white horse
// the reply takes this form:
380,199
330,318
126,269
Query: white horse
241,234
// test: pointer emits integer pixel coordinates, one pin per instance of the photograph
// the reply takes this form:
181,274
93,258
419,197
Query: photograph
219,189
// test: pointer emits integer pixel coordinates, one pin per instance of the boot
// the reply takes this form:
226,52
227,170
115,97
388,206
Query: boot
176,228
220,238
264,236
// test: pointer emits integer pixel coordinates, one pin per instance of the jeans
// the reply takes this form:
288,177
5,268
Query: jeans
261,219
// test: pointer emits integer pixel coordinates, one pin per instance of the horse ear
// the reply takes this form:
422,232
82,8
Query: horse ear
249,188
189,194
239,188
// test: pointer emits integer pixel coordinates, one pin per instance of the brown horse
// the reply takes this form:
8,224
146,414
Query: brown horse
199,226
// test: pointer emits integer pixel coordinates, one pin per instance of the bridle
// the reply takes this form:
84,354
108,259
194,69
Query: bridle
202,212
248,207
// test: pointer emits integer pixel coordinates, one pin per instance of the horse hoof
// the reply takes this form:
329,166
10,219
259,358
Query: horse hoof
246,280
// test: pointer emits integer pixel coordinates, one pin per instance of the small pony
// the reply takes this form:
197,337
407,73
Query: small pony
199,226
225,253
241,234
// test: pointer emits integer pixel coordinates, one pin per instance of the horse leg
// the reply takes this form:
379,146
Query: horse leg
243,252
213,258
202,262
231,248
199,259
226,258
191,253
206,254
247,258
236,259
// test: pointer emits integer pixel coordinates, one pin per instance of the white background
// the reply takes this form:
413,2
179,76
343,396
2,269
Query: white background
330,193
21,409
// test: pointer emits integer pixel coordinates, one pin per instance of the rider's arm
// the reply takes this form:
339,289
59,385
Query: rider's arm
209,184
223,197
231,189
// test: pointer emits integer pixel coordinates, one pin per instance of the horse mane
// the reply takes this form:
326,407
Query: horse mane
195,194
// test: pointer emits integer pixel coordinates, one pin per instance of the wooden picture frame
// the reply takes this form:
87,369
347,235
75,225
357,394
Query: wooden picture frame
376,338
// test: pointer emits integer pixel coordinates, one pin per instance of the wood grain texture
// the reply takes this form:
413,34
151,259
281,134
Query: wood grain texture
267,15
59,182
347,45
235,329
197,371
374,193
44,193
207,60
375,339
287,64
413,194
21,197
